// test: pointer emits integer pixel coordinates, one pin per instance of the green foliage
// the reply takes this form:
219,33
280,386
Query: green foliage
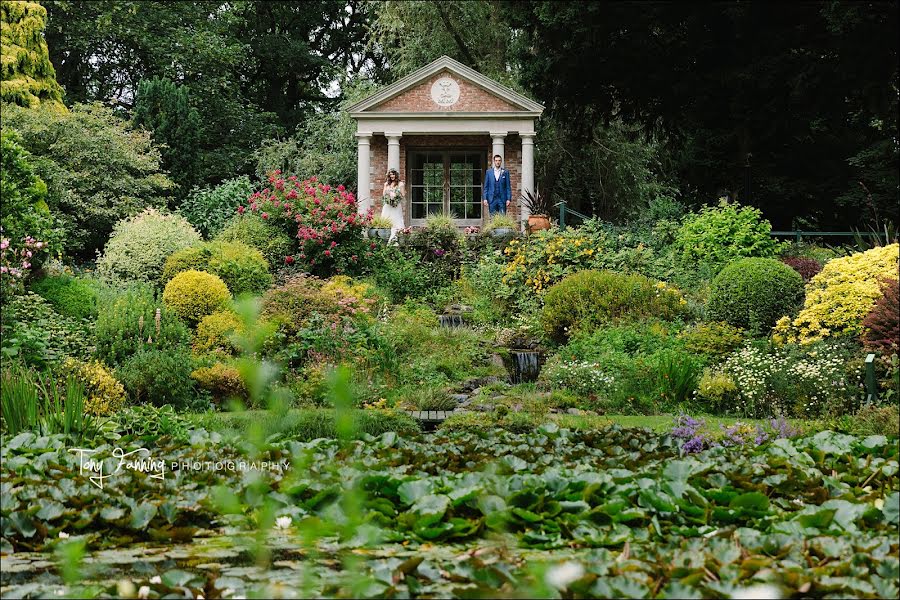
252,230
24,210
210,209
28,77
98,169
140,245
713,339
242,267
165,110
158,377
724,233
402,276
70,296
869,420
131,321
588,299
148,421
194,294
427,397
323,145
43,403
716,391
753,293
38,336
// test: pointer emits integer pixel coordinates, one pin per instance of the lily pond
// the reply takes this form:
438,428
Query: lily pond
548,513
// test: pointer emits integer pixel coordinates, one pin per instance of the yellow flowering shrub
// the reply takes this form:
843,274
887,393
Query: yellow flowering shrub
214,333
354,297
104,395
545,257
840,296
194,294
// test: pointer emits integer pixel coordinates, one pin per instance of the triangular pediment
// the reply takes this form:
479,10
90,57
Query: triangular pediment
468,91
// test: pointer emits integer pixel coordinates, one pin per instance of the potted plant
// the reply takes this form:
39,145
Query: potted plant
380,228
500,225
538,206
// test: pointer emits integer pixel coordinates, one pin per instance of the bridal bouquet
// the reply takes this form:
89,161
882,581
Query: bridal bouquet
392,198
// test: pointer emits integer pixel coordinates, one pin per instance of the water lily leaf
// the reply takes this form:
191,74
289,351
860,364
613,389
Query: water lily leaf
410,491
514,462
831,442
50,511
23,523
490,504
527,515
820,519
142,515
176,578
430,509
891,509
752,500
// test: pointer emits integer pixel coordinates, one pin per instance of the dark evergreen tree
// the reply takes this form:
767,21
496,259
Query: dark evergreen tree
164,108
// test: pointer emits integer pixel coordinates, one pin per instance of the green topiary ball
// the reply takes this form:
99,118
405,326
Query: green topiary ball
194,294
242,267
753,293
252,230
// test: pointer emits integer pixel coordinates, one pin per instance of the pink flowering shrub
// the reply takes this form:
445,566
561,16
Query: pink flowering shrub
323,219
15,262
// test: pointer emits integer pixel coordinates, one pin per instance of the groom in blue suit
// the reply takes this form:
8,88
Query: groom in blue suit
497,190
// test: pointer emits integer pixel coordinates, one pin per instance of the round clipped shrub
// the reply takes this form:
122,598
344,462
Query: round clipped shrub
840,297
587,299
194,294
140,245
252,230
214,333
104,395
718,235
752,293
70,296
242,267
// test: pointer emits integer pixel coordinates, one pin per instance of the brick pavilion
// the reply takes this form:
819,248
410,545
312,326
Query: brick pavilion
439,127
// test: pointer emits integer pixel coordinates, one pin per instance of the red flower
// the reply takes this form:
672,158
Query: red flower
241,210
265,215
328,253
289,260
333,244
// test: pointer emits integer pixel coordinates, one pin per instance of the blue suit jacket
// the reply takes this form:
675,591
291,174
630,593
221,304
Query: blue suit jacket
503,186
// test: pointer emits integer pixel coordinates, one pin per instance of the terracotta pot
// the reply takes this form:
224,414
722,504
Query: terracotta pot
538,222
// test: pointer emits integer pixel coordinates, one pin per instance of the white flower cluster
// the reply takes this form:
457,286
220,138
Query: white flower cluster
778,382
579,376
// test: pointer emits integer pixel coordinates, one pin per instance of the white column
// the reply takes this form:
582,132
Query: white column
498,140
527,171
363,177
393,141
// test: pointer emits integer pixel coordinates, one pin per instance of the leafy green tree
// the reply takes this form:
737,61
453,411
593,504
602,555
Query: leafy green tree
28,78
412,34
24,210
808,91
324,144
97,167
164,109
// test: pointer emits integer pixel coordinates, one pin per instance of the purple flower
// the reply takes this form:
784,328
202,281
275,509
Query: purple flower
439,252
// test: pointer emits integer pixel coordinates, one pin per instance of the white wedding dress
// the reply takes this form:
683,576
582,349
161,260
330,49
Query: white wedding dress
394,214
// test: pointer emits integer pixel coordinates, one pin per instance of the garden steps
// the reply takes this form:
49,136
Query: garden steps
430,416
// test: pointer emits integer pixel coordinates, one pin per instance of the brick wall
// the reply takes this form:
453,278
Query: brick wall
418,99
512,161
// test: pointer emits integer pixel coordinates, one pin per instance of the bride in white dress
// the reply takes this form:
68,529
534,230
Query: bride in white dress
394,191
